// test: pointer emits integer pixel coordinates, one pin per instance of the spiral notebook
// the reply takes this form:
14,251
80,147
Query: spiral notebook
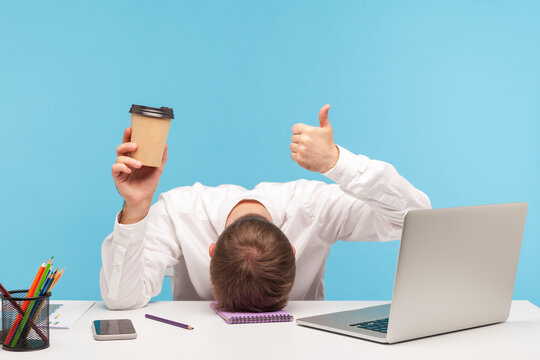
252,318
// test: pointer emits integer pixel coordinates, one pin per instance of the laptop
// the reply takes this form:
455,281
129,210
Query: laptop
456,270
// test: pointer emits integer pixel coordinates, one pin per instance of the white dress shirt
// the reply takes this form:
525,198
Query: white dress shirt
368,203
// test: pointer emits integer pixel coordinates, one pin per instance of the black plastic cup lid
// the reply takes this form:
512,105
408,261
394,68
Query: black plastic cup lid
162,112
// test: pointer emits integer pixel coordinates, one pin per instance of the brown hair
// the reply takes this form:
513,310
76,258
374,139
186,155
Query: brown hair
253,266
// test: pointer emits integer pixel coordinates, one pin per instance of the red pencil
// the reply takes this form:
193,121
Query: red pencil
18,308
30,293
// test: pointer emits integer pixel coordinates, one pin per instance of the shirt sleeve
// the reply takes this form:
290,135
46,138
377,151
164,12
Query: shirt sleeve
369,203
135,257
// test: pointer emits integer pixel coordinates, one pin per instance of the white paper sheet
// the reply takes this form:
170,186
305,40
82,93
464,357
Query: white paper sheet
64,313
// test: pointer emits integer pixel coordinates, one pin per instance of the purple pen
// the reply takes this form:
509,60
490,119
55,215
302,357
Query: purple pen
166,321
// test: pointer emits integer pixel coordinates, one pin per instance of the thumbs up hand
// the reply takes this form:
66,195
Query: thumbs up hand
312,147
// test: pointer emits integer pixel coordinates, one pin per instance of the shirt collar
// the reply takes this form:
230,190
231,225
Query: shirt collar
229,204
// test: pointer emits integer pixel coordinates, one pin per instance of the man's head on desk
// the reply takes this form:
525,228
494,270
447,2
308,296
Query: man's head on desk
253,266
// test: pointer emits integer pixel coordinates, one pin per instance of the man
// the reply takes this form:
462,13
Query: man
251,250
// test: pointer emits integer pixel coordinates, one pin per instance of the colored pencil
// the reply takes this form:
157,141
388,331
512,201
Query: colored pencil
20,311
36,280
58,276
54,276
167,321
28,312
43,278
47,286
30,293
31,305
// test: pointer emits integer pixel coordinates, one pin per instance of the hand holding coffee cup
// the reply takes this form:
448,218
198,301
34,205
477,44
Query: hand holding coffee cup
137,183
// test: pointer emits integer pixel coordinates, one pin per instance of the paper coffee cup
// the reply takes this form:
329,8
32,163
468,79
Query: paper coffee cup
149,130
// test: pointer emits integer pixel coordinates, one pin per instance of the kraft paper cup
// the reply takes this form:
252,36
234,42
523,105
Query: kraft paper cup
149,130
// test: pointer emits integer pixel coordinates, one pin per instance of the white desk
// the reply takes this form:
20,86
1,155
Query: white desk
518,338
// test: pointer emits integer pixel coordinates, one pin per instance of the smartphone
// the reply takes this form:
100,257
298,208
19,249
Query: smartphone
117,329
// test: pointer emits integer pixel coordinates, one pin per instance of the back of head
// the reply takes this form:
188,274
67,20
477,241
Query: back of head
253,266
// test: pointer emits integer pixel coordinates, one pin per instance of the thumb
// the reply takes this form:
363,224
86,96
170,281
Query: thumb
323,116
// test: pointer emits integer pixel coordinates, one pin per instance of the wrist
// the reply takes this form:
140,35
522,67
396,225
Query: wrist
333,161
134,212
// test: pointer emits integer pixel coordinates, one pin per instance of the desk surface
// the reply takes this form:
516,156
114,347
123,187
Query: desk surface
517,338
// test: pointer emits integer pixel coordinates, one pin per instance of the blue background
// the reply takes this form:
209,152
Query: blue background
448,92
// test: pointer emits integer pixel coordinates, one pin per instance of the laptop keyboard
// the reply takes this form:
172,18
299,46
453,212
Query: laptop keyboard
380,325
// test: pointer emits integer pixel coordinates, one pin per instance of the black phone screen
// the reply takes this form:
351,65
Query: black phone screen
114,327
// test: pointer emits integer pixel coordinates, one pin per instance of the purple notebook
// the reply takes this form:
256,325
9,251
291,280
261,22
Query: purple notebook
252,318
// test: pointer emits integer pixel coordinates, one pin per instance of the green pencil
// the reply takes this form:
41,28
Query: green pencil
29,309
